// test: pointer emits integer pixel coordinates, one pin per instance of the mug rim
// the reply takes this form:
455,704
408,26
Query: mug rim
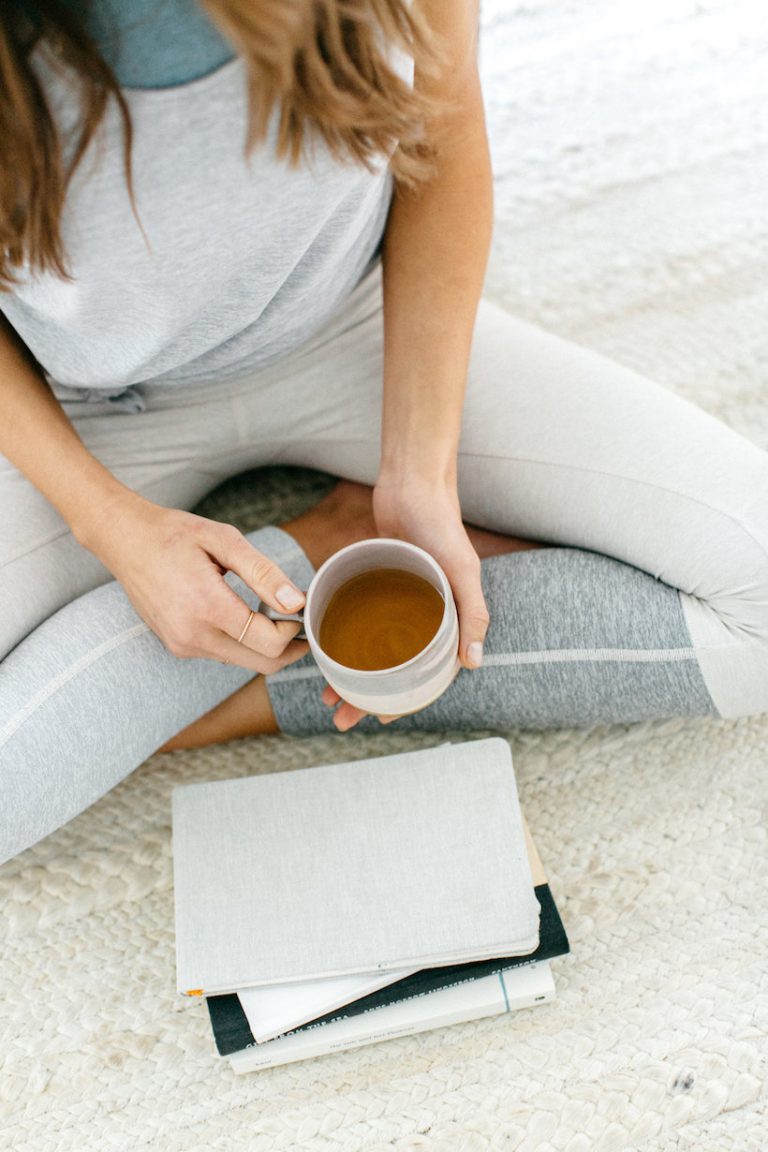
357,545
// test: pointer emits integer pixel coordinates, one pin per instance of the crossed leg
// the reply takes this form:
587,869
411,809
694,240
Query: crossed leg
343,517
650,600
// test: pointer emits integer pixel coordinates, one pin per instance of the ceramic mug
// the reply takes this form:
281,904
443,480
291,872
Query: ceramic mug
405,687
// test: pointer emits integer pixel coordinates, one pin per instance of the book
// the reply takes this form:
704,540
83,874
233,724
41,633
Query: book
257,1015
506,991
277,1008
232,1033
408,861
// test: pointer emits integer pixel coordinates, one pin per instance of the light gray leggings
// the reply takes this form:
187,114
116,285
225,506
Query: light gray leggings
652,602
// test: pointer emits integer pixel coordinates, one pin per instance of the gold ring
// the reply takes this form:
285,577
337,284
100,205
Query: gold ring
246,627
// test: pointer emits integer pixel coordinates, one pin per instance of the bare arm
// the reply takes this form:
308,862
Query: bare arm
435,255
153,551
37,437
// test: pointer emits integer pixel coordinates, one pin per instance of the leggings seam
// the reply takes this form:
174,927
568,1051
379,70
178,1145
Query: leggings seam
591,656
65,531
549,656
65,676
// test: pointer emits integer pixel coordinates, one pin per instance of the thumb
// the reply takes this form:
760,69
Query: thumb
473,614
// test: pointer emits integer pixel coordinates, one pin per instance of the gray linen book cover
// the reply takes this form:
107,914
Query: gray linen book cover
406,861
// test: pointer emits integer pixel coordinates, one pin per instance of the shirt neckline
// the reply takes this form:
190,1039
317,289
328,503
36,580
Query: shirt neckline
46,56
174,91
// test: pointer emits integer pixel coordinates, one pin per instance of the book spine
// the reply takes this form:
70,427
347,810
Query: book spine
492,997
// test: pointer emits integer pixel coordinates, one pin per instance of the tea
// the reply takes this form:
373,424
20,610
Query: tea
380,619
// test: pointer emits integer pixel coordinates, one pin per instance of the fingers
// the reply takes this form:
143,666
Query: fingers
330,696
218,625
472,610
255,569
220,647
231,615
346,715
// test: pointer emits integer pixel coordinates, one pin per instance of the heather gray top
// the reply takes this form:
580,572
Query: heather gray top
241,262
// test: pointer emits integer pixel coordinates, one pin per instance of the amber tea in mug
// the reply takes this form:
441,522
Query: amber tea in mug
380,619
382,626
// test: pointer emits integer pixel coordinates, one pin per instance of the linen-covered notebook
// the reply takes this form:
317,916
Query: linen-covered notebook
274,1009
406,861
259,1015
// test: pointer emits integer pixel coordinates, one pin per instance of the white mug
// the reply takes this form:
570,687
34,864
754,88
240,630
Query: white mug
405,687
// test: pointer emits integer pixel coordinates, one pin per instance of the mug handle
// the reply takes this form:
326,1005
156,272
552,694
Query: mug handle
273,614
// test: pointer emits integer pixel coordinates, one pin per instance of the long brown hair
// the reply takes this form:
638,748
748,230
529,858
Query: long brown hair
322,63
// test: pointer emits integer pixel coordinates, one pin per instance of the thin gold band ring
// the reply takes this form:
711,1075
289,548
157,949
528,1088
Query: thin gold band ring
246,626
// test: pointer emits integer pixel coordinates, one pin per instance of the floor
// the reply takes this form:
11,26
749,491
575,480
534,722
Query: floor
631,154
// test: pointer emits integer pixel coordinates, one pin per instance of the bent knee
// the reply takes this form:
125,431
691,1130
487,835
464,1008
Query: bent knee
730,638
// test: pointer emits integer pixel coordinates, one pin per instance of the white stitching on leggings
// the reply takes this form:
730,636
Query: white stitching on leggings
546,656
591,655
65,676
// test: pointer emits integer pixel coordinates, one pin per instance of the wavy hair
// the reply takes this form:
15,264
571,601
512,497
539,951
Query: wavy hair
324,64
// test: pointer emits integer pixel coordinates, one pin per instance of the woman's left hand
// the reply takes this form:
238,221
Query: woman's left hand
428,514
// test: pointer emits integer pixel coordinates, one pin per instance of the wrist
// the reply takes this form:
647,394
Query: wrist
420,441
99,516
402,500
432,468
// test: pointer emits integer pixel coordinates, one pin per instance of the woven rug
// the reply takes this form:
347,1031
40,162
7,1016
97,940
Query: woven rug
631,151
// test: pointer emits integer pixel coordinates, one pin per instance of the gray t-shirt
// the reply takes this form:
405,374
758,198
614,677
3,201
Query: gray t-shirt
242,261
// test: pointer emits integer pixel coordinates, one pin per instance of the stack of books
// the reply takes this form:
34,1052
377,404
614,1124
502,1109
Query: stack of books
331,907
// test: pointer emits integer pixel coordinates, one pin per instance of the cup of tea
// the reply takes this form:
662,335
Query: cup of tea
382,626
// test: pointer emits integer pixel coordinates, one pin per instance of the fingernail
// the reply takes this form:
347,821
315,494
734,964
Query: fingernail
289,597
475,654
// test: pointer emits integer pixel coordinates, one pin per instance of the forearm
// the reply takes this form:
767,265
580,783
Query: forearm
37,437
435,255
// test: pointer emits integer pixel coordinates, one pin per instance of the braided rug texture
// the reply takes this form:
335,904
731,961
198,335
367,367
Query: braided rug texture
631,152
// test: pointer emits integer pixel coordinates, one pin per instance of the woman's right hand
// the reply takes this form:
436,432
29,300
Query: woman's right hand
172,564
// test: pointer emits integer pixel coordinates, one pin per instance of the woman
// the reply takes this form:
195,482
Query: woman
313,299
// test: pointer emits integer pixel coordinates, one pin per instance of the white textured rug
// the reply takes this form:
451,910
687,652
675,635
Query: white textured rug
631,146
